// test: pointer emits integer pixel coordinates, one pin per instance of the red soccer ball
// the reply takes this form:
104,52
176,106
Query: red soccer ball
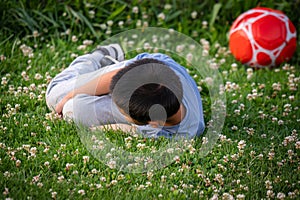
262,37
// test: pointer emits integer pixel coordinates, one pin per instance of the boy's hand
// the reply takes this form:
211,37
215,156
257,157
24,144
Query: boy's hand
59,107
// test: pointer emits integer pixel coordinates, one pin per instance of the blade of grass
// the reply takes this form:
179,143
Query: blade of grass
44,17
6,39
117,12
214,15
173,16
24,17
84,20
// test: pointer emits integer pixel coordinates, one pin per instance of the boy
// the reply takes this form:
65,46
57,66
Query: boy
150,94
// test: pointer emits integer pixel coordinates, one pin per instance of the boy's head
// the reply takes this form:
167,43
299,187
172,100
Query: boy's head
147,90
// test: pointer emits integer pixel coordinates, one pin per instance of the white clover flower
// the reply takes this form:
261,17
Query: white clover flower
204,24
145,15
161,16
33,150
260,156
292,195
4,81
74,55
219,178
292,98
120,177
176,159
237,112
145,24
103,26
204,140
55,157
214,197
60,179
270,194
39,184
81,192
250,131
199,88
147,46
214,65
170,150
74,38
163,178
149,175
46,164
179,48
92,14
18,163
110,22
138,23
7,174
103,179
135,10
276,86
189,57
280,195
108,31
121,24
94,171
86,159
128,145
141,187
274,119
140,146
53,195
112,164
35,34
249,71
249,96
81,47
68,166
194,14
290,153
88,42
36,178
209,81
2,57
167,6
227,196
297,145
241,144
271,155
113,182
26,50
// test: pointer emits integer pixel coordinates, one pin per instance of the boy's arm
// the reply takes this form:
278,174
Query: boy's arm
96,87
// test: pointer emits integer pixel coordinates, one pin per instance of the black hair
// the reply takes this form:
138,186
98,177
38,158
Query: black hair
144,84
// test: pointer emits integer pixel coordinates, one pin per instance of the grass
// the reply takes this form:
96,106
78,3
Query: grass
43,157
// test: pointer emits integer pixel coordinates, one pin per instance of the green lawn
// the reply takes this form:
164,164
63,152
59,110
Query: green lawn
43,157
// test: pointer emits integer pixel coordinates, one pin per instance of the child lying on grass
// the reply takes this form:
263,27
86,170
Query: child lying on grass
150,94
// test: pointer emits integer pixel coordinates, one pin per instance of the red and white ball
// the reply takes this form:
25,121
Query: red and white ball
262,37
